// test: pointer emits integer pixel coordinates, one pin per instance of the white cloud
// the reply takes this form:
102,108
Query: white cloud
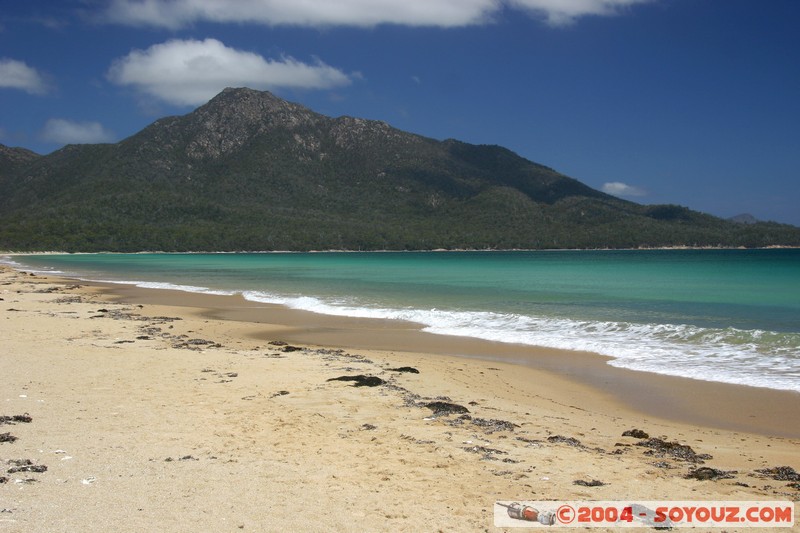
617,188
192,72
60,131
564,12
366,13
363,13
17,75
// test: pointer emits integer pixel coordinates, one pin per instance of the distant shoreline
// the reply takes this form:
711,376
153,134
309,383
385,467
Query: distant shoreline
437,250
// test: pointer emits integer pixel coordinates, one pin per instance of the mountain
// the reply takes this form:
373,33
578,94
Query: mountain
744,218
250,171
13,159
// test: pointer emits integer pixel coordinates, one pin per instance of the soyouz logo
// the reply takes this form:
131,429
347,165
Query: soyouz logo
644,514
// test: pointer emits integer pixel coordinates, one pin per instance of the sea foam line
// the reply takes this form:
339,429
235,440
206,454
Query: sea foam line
729,355
174,287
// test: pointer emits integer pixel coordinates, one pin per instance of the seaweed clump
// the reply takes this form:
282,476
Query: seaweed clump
661,448
636,434
780,473
569,441
440,408
361,380
706,473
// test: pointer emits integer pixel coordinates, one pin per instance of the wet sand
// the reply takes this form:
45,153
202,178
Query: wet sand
711,404
160,410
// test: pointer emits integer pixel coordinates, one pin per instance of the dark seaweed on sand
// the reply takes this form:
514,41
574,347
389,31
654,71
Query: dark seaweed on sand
7,437
592,483
636,434
493,424
28,468
26,418
289,348
679,451
446,408
361,380
484,450
780,473
407,369
570,441
706,473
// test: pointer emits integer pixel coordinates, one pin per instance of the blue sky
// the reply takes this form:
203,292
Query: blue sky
691,102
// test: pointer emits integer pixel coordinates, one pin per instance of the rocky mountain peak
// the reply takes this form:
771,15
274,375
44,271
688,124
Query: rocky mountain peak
248,106
233,117
223,125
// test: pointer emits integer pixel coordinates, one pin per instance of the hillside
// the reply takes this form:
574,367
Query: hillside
250,171
14,159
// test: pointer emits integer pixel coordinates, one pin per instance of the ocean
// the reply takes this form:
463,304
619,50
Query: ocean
720,315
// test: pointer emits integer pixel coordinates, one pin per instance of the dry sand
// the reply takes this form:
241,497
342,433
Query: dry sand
159,411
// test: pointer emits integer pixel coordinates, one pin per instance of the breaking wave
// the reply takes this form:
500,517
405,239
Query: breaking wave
744,357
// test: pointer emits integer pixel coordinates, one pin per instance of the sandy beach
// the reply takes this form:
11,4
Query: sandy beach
167,411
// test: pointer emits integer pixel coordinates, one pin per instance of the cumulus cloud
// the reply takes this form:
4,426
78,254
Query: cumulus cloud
564,12
190,72
176,14
366,13
61,131
617,188
17,75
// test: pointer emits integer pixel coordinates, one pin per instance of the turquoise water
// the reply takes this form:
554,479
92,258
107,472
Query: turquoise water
720,315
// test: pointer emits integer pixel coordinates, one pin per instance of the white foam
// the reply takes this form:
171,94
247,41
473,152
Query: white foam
6,260
171,287
756,358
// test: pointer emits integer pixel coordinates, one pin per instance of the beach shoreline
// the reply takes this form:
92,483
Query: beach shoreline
151,408
656,313
722,405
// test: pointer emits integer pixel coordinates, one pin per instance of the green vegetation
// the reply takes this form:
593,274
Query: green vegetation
249,171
